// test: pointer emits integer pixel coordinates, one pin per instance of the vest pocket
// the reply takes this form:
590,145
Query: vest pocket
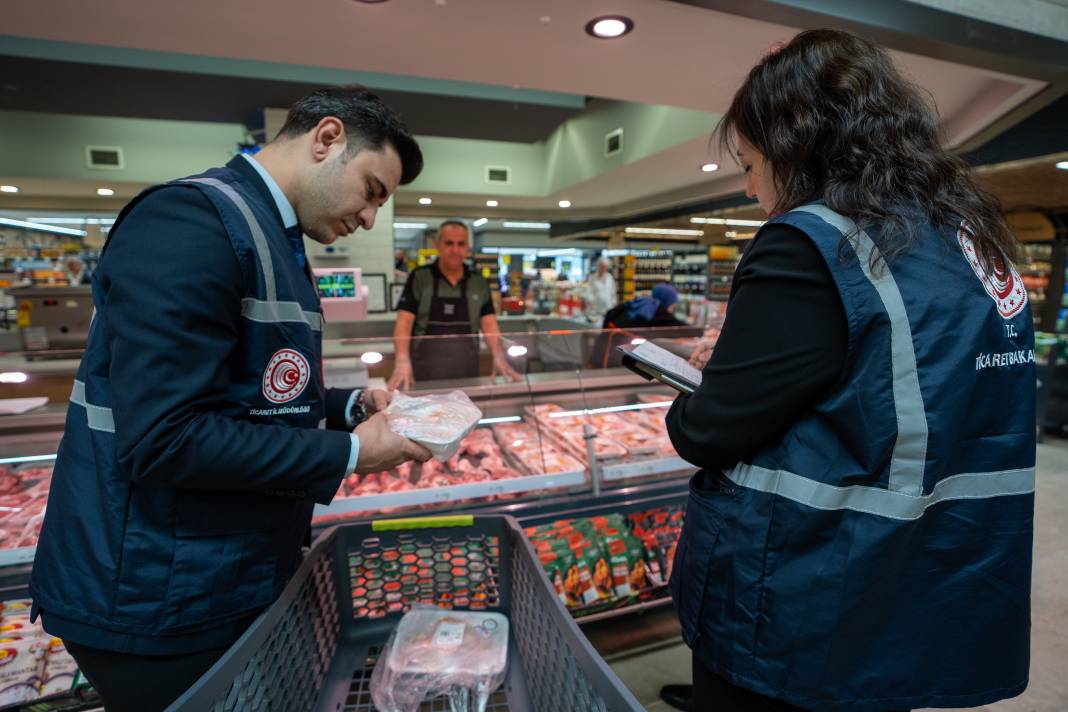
693,557
225,557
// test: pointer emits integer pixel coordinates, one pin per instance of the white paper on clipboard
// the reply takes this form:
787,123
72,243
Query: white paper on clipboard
679,374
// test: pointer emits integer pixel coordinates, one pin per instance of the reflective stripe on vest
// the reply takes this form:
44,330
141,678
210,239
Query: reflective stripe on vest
903,498
99,417
270,311
275,312
910,449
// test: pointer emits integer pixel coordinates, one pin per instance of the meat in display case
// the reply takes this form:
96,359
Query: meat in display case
561,431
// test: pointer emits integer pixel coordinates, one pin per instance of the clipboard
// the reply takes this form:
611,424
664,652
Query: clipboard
654,363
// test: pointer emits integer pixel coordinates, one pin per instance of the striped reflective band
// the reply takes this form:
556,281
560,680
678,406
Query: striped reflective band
883,502
910,449
258,238
273,312
99,417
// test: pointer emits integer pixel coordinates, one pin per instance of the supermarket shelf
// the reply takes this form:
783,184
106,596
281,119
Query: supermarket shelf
13,557
455,493
644,468
624,610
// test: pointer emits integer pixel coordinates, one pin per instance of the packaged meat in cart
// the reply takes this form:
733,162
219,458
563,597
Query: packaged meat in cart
434,652
438,422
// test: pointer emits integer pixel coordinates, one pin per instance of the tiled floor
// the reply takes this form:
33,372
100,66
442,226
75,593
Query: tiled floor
1048,692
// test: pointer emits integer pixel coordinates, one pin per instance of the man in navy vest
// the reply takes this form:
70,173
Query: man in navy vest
200,434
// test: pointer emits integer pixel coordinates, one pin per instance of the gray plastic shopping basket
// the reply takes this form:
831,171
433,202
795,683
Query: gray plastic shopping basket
316,646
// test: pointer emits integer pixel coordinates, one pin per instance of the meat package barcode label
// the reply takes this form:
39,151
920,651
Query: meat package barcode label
449,635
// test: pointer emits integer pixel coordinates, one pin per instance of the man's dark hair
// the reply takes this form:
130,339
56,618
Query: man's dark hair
456,223
369,124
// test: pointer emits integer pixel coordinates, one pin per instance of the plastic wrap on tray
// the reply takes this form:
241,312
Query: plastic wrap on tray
438,422
436,652
534,454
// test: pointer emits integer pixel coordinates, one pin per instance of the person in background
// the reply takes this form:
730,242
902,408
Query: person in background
446,299
400,263
77,275
194,448
655,310
624,322
600,291
859,536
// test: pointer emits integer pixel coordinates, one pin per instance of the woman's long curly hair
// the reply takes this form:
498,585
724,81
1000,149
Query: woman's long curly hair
836,121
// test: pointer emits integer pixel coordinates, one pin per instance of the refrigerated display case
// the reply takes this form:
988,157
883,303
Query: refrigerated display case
564,436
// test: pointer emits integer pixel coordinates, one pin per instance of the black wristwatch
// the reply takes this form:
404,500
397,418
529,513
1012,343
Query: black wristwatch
358,412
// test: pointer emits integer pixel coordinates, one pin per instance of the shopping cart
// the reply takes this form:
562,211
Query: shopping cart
316,647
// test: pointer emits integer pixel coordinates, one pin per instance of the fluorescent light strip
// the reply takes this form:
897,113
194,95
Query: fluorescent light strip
610,409
527,225
42,228
27,458
74,221
502,419
409,226
727,221
662,231
480,222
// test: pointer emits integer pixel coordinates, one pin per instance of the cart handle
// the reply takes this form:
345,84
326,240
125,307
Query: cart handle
389,525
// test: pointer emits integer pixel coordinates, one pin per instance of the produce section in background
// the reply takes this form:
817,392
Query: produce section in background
603,562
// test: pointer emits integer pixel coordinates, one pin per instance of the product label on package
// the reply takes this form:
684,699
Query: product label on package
449,635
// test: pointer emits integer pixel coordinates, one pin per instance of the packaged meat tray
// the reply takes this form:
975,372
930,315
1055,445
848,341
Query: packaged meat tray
433,652
437,422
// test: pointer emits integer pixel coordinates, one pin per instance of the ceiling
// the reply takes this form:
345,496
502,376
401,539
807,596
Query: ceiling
224,61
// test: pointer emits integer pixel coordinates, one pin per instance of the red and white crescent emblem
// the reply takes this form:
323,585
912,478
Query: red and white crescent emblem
1003,285
286,376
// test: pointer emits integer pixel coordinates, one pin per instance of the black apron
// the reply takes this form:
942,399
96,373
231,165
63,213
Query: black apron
455,357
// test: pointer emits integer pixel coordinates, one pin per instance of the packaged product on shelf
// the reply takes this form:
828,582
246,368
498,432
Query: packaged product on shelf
435,653
23,495
438,422
616,558
21,667
60,669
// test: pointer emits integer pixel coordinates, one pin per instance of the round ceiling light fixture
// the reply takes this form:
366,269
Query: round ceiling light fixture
425,201
492,203
105,192
709,167
609,27
564,203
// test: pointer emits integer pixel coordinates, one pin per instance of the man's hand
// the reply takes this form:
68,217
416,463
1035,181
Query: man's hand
402,377
382,449
376,400
501,367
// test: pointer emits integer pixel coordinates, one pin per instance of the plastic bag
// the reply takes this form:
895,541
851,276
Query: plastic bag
434,652
437,422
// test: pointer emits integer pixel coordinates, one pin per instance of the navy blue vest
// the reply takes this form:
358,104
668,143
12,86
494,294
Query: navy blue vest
166,570
877,555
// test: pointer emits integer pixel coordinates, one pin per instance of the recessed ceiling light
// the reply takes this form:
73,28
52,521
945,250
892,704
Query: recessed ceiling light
709,167
480,222
105,191
1063,165
425,201
564,203
9,189
371,357
608,27
492,203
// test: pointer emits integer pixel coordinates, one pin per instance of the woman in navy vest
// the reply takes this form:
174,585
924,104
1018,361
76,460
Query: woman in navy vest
859,537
